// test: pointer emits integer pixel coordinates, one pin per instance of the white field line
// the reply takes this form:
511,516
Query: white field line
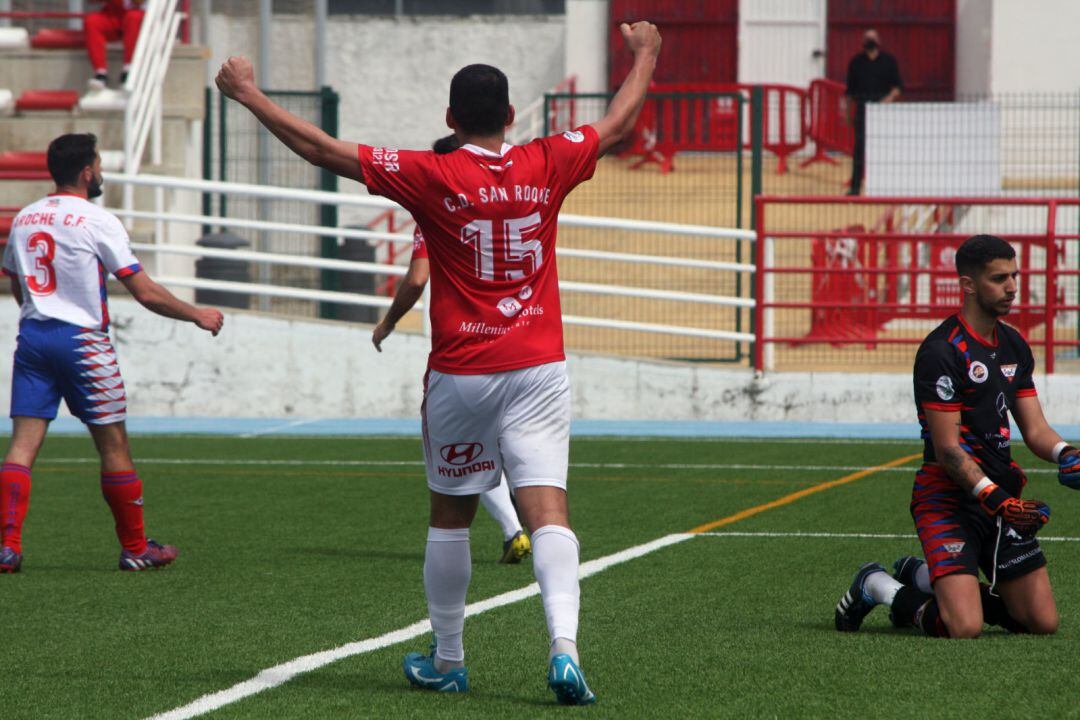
278,428
856,536
279,674
419,463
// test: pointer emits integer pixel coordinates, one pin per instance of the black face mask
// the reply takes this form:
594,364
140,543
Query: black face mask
870,45
93,190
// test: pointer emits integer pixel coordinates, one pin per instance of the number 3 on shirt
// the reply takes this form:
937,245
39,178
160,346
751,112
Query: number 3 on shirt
43,280
528,255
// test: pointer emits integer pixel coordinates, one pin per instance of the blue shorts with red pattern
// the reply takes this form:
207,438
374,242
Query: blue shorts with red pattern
54,360
958,536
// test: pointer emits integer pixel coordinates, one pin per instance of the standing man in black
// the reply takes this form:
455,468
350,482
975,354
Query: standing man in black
872,76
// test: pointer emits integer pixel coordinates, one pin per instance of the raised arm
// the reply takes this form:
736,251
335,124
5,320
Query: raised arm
236,80
408,292
643,39
157,299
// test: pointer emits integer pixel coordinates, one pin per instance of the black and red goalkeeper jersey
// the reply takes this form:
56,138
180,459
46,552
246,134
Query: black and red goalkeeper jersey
955,369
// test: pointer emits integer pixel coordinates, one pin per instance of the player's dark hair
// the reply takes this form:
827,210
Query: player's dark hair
69,155
445,145
480,100
979,250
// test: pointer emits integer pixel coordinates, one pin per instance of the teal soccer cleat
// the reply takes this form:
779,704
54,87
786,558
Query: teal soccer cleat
420,671
568,682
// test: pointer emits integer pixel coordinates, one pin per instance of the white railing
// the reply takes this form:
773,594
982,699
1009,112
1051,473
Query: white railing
162,247
142,113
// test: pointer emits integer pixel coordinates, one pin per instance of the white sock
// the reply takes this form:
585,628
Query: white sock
561,646
498,504
447,571
922,579
555,563
882,587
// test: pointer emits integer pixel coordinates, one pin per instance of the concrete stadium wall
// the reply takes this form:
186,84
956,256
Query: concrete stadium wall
263,366
393,75
1034,48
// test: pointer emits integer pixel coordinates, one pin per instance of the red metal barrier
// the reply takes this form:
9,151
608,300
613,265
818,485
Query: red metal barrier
690,117
890,281
562,111
830,127
387,221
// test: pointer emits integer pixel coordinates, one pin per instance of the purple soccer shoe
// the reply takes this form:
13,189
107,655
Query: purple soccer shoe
155,557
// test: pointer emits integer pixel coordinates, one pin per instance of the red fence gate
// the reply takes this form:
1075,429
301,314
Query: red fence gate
847,283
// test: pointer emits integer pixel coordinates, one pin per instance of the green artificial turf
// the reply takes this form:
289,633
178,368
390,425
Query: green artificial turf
296,545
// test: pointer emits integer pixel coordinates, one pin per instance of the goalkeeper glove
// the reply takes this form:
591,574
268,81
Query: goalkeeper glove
1069,467
1027,516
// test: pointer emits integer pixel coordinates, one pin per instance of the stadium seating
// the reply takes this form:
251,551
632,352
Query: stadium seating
47,100
58,38
14,37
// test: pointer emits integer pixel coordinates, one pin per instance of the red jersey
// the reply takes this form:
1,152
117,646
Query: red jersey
489,223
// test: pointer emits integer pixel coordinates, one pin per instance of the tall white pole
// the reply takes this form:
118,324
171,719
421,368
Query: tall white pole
266,9
320,43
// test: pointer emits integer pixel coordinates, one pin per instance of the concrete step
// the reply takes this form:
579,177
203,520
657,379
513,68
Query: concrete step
66,69
34,133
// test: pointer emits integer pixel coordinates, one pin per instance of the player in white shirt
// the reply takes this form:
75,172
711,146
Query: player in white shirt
57,257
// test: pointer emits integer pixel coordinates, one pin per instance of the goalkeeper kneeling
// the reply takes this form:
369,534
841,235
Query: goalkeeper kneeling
971,374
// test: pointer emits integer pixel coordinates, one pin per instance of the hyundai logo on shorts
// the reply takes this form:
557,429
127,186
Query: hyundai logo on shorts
461,453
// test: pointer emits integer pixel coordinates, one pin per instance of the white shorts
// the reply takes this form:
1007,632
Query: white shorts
477,427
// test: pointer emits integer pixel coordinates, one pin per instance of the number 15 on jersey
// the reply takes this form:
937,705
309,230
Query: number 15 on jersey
519,255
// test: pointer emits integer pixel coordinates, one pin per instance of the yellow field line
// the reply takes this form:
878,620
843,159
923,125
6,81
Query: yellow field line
788,499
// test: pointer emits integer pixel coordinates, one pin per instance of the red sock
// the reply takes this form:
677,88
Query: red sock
14,501
123,492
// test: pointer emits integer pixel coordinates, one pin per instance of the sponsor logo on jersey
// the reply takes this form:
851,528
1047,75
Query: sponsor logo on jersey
461,453
1002,405
526,292
387,158
509,306
978,372
574,136
955,547
1012,534
944,388
1009,371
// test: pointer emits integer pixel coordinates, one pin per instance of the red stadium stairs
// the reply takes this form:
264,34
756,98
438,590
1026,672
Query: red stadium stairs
58,38
35,100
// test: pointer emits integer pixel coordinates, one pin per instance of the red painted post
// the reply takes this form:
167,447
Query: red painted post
759,284
185,24
1051,282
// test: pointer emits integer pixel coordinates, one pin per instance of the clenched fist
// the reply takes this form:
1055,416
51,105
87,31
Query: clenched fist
236,77
642,37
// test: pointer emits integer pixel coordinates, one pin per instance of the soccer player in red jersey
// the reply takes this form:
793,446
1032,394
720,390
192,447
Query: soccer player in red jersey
497,398
516,545
59,251
971,374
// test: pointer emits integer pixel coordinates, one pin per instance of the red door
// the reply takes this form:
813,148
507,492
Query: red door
920,33
699,39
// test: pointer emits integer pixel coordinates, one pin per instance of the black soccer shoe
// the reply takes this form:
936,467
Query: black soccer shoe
856,603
